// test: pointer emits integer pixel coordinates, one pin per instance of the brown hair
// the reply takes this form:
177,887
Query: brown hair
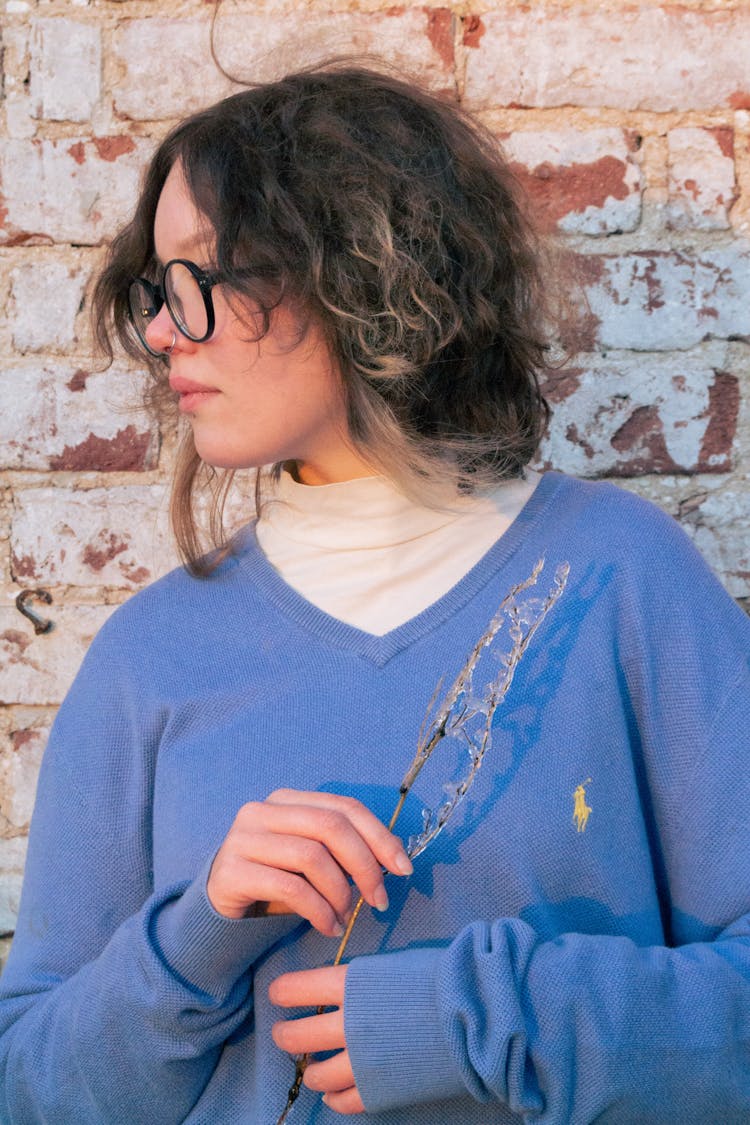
389,216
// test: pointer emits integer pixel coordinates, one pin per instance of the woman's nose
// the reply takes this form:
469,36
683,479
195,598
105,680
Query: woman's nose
161,333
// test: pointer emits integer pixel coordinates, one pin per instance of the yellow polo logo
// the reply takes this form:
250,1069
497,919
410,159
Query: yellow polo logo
581,811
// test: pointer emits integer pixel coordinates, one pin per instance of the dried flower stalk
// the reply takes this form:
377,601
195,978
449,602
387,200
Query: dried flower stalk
465,715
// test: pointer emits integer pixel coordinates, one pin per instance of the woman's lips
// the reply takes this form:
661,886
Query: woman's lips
191,394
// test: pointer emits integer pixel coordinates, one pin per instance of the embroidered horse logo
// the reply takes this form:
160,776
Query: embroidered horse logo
581,811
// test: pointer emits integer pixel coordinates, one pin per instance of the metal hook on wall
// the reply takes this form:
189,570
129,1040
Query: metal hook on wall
41,624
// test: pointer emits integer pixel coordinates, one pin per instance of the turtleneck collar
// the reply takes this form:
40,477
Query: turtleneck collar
370,512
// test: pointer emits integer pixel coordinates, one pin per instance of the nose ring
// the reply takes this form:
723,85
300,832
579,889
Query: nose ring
170,349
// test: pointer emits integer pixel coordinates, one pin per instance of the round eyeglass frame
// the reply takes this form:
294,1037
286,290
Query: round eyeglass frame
160,297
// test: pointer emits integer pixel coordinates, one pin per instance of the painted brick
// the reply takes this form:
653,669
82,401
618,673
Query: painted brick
95,537
20,760
39,669
66,65
623,416
5,943
260,45
718,522
46,295
58,417
701,178
640,57
12,859
662,300
578,182
418,39
19,121
84,189
150,90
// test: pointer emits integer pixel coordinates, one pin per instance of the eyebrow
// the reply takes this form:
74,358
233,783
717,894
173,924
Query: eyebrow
183,247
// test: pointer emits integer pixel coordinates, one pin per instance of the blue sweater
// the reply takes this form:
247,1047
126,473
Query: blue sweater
538,965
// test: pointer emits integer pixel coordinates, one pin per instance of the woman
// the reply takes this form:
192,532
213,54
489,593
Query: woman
331,275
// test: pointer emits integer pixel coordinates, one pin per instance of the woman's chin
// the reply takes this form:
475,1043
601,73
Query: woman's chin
219,457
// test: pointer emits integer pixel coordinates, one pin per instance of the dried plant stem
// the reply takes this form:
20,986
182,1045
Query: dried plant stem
457,709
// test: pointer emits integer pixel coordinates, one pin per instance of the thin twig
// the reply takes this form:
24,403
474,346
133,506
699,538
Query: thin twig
459,706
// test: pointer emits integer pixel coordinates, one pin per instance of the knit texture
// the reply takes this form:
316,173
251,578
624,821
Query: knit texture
542,963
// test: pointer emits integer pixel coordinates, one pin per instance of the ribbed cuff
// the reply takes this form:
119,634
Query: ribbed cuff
399,1054
202,947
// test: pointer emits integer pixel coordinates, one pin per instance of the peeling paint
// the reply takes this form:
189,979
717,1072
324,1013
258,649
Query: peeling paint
110,148
642,435
573,436
77,382
560,385
135,574
724,138
21,738
654,287
557,190
723,411
474,29
18,640
440,32
98,557
24,566
78,152
127,450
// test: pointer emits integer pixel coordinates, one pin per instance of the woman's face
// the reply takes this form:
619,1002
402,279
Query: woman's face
256,403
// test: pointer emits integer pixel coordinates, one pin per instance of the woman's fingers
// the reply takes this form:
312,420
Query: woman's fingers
296,1036
297,851
242,883
331,1074
309,988
309,1035
297,855
388,849
337,834
347,1101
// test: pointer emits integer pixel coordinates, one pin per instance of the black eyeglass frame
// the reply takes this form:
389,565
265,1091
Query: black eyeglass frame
206,282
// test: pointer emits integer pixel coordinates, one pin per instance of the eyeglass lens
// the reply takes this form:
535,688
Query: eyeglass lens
184,299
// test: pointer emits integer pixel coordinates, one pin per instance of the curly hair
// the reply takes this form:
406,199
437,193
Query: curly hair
389,216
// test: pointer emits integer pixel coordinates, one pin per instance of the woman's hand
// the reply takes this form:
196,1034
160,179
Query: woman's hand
312,988
295,852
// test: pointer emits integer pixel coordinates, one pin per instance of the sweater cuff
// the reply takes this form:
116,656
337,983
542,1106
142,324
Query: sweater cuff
392,1021
208,951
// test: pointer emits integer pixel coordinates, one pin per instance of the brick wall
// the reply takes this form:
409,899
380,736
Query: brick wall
629,127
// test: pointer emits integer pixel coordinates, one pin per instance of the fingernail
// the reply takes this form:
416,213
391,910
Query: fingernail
338,930
380,899
403,864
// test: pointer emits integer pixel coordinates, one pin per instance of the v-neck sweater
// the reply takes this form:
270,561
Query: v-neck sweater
368,555
574,946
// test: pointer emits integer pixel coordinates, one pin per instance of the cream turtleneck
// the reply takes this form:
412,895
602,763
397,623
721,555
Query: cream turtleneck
364,553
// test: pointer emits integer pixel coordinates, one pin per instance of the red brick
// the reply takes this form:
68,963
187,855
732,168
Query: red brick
702,186
641,57
578,181
58,416
79,195
662,300
66,64
20,758
621,417
258,46
48,281
96,537
39,669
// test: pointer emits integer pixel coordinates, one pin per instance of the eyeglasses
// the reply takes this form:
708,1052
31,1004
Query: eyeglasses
186,290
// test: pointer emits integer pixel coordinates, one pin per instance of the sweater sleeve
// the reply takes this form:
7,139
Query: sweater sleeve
585,1027
115,1001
